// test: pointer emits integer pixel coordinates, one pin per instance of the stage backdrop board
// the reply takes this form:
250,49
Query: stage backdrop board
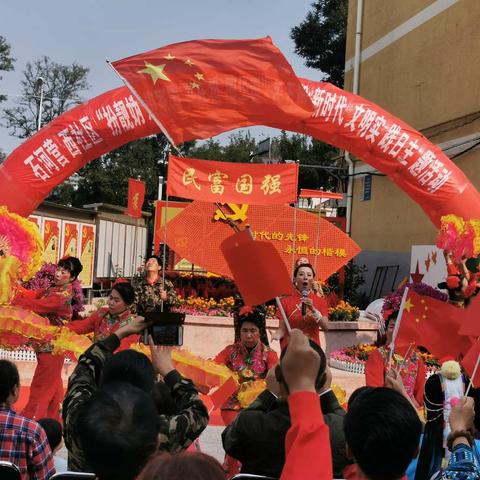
86,254
51,239
197,232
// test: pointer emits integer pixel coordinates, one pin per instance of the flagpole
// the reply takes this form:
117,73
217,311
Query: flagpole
295,206
470,384
397,326
146,107
317,240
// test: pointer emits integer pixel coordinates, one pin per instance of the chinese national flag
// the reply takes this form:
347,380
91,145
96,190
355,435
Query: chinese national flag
432,324
469,362
136,195
471,319
201,88
257,268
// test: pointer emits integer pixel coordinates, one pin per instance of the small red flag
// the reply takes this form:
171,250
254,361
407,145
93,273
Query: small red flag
200,88
226,390
136,195
469,362
257,268
471,319
432,324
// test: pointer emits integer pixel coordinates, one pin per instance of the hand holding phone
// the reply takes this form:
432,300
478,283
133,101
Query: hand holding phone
161,358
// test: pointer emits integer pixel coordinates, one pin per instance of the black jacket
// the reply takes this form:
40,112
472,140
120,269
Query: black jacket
257,436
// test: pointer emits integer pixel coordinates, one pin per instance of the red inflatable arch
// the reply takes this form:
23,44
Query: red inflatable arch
342,119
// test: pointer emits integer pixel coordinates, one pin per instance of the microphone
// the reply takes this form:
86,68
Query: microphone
304,295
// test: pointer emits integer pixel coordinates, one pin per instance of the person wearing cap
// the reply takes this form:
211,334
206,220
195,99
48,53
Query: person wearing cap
251,360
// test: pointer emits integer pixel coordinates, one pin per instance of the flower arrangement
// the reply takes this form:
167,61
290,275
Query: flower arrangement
44,278
360,353
393,300
224,307
343,312
205,306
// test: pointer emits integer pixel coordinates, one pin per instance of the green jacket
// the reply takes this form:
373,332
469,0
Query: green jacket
176,432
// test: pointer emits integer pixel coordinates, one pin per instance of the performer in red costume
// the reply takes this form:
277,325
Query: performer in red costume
314,316
109,319
55,303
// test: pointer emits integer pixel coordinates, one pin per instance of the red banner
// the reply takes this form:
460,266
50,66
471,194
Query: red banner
198,231
136,196
383,141
225,182
201,88
347,121
67,143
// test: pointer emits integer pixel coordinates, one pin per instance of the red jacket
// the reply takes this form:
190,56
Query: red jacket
307,444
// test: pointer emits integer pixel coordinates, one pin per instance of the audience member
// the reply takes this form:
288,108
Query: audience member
183,466
462,465
257,436
307,444
22,441
119,416
54,431
382,431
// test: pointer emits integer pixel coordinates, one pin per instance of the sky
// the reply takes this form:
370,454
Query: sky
90,31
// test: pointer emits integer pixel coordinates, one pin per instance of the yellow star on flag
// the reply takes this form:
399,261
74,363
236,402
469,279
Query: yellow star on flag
408,305
169,57
189,62
199,76
194,85
155,72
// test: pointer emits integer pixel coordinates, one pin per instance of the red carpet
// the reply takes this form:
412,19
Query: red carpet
215,418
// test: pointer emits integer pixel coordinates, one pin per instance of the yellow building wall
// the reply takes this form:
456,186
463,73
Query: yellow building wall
430,79
429,76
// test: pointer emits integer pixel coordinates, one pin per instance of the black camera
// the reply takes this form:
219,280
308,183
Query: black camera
166,328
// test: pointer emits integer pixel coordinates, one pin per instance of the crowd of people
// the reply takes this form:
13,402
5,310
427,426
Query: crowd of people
126,416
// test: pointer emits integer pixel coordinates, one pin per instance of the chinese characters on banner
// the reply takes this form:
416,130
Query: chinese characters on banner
136,196
383,141
67,143
224,182
86,255
51,240
347,121
70,237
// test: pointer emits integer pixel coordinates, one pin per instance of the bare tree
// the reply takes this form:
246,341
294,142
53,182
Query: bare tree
60,87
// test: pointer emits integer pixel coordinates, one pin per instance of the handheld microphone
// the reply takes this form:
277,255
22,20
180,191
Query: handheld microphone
304,295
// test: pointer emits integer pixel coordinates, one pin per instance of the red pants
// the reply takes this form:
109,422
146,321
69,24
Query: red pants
46,390
230,464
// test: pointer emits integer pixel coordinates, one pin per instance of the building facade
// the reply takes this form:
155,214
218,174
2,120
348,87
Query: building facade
419,61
